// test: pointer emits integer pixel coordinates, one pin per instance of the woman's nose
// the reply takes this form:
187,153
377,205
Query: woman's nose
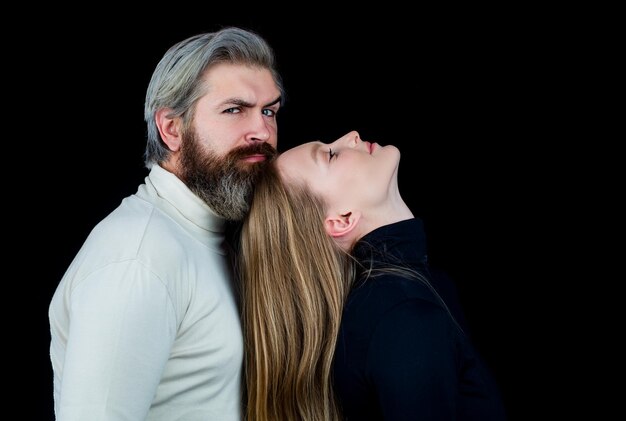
352,138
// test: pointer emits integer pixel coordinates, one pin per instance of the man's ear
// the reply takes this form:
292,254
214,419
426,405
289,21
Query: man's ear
338,226
169,128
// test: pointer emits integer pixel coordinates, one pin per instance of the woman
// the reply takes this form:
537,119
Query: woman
340,318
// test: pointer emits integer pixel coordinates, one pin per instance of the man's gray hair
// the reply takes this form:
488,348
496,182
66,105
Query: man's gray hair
177,80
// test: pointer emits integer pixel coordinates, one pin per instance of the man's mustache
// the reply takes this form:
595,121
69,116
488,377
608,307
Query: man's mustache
261,148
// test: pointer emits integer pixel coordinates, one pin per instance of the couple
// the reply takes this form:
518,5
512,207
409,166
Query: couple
331,313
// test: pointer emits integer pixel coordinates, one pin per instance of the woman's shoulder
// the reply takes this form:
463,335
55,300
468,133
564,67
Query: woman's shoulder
380,293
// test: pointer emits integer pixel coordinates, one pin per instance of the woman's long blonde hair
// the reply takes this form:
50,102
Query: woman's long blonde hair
294,283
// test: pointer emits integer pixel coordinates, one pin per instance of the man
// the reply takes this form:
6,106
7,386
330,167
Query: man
145,323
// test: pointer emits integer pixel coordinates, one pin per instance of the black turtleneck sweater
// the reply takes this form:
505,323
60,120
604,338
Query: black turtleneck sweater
400,355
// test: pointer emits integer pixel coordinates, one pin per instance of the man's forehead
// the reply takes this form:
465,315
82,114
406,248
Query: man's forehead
240,84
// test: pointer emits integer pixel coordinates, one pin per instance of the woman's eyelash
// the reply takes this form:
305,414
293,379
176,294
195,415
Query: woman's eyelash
330,152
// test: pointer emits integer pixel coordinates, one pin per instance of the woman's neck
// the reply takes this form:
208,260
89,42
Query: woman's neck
393,211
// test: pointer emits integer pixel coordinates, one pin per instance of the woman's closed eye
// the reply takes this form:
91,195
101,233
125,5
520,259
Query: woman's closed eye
331,154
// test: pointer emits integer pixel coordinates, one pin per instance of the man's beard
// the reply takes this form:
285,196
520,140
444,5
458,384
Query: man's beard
224,183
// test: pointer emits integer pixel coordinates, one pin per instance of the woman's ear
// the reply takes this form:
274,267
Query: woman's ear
169,128
339,226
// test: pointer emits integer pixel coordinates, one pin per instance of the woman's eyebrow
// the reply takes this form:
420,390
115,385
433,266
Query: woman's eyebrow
315,151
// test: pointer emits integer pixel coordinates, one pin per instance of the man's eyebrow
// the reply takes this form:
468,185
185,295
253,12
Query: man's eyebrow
276,101
238,101
243,103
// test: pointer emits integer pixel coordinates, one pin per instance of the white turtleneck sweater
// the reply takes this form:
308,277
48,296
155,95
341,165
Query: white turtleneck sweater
144,323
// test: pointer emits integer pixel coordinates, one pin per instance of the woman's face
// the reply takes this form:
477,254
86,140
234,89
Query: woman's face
349,174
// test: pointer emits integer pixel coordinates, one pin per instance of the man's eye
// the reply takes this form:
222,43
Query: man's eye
331,154
269,113
233,110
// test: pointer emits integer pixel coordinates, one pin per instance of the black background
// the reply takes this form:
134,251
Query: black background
469,97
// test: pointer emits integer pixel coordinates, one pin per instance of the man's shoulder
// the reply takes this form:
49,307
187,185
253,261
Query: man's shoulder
127,220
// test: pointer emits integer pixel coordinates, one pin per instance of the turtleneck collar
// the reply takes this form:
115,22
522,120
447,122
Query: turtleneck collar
168,193
401,242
